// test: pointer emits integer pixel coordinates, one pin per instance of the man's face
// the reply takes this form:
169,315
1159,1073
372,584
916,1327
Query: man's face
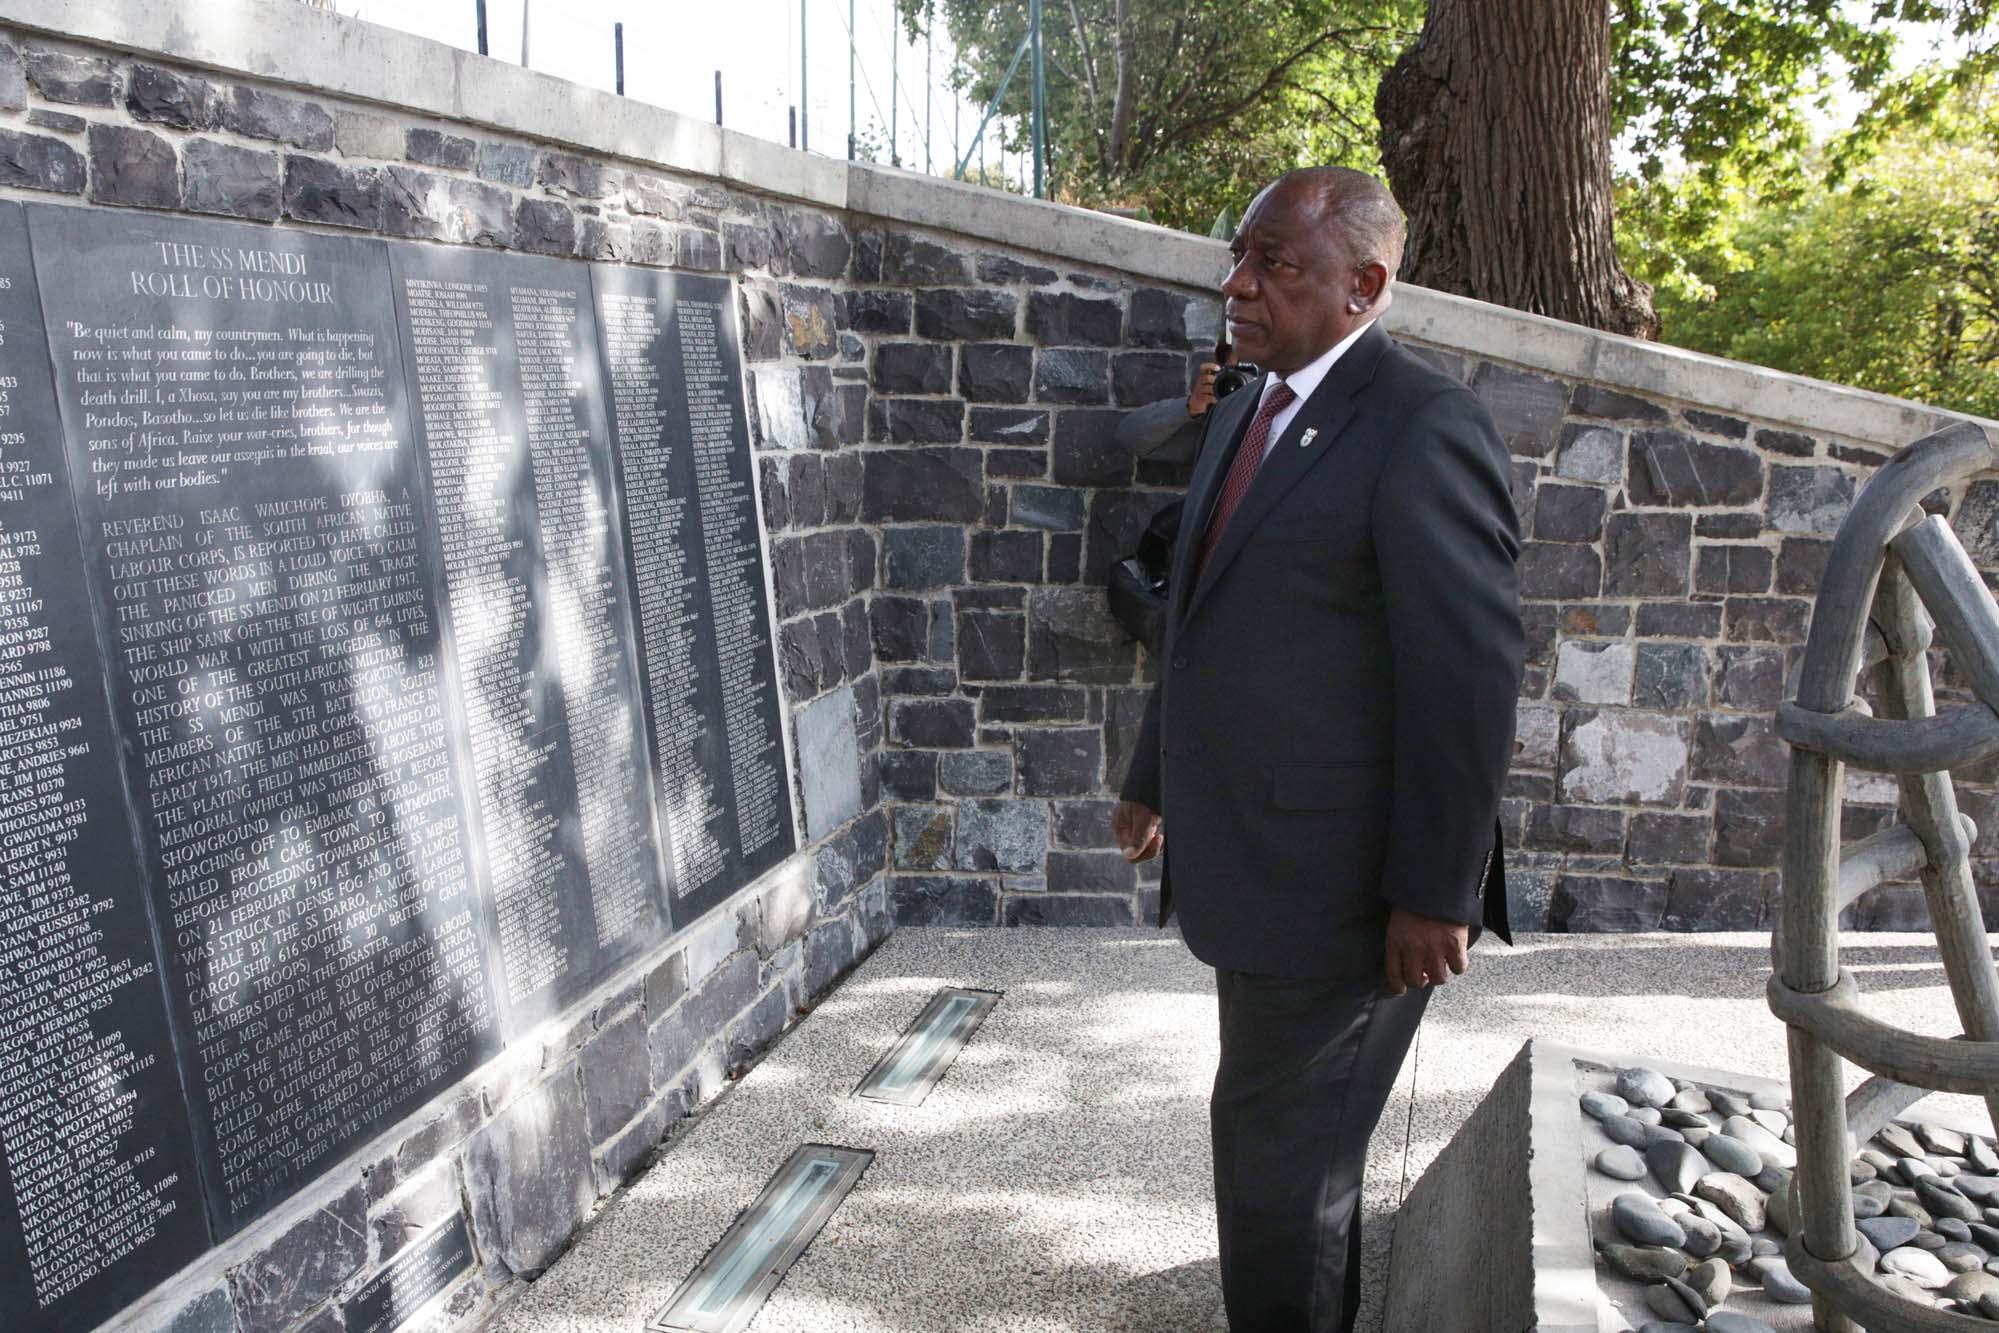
1289,291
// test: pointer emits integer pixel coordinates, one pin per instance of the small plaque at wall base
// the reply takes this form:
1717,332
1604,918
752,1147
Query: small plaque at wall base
919,1061
394,1296
730,1285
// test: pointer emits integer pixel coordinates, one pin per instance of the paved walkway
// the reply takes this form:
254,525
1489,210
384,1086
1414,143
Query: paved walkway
1058,1178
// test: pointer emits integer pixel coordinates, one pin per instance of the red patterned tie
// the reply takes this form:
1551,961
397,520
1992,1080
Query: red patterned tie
1243,470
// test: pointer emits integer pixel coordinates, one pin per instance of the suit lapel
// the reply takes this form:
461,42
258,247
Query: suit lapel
1231,419
1326,413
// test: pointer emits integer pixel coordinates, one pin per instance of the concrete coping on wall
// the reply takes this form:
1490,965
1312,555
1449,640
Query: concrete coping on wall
284,42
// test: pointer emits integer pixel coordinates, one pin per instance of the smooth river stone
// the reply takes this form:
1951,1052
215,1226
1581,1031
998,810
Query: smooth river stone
1711,1280
1979,1189
1696,1134
1673,1299
1962,1257
1667,1326
1913,1169
1678,1167
1662,1134
1623,1129
1984,1234
1647,1115
1645,1263
1774,1121
1728,1321
1950,1228
1929,1240
1729,1103
1703,1236
1918,1266
1880,1161
1778,1282
1981,1156
1742,1201
1937,1139
1597,1105
1971,1286
1943,1201
1766,1145
1645,1087
1690,1099
1732,1154
1763,1247
1638,1218
1682,1120
1886,1233
1860,1173
1901,1207
1899,1141
1621,1162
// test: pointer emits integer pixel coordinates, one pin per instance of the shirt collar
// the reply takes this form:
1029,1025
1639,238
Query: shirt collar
1307,378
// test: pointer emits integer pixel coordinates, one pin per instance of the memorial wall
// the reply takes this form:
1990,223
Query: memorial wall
385,660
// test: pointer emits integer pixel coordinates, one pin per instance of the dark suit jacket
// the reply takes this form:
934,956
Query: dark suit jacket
1334,714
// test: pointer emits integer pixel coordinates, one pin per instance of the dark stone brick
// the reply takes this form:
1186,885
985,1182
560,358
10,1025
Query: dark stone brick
71,79
287,120
1667,839
1749,678
1084,823
1158,319
1568,513
1090,872
912,368
868,247
917,420
1072,375
701,248
990,599
922,485
860,560
794,491
909,775
944,900
210,1312
854,636
746,244
61,122
1593,400
930,724
14,80
1740,749
1585,903
1062,319
133,167
1809,499
1729,527
1671,676
809,244
1016,464
579,177
1065,557
1559,571
1714,423
1010,425
912,681
277,1287
1575,828
1800,565
1785,442
1087,452
1449,362
836,413
875,311
234,182
1146,377
1671,468
1724,569
1118,519
603,241
1006,557
168,97
995,372
427,206
974,772
1706,899
1068,909
1646,555
1059,761
615,1070
964,314
922,836
1528,408
1006,271
843,488
646,195
901,627
1748,827
804,660
811,318
1001,835
1051,508
1679,620
923,557
435,148
1768,619
992,645
851,858
1072,637
545,227
913,262
508,164
763,323
1033,703
1595,620
35,162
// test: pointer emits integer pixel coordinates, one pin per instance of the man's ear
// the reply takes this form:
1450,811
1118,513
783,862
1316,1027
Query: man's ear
1370,284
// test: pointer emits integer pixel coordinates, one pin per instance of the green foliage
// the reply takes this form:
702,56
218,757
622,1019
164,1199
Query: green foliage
1885,281
1217,97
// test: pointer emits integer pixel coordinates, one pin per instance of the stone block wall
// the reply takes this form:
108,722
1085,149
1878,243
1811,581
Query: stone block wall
935,378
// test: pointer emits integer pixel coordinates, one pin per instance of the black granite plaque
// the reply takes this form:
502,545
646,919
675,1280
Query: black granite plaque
674,364
399,1292
98,1195
253,522
506,392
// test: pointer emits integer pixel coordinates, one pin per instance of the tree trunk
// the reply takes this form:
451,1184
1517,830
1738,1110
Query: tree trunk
1127,86
1495,129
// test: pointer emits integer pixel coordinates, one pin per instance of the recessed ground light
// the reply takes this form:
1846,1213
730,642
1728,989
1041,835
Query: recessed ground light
730,1285
915,1063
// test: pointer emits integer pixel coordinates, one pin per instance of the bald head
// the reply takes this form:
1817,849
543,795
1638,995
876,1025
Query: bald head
1354,206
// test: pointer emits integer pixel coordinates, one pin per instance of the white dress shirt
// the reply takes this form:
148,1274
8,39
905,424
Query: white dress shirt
1303,381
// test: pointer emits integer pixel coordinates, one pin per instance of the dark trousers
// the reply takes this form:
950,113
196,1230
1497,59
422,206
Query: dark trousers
1305,1071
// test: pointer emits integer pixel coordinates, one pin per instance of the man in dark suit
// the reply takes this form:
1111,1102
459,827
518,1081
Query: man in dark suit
1331,728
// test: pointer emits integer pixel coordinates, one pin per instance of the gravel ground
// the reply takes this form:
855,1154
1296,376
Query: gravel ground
1058,1178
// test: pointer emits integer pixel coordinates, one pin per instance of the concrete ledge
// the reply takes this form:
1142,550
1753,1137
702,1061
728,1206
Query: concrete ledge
288,43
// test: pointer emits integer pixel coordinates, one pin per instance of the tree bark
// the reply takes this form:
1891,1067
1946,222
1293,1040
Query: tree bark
1495,130
1127,85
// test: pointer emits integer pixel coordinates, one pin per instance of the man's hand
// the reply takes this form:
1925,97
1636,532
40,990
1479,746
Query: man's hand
1203,396
1137,830
1423,950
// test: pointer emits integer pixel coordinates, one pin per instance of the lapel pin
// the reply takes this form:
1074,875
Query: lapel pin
1305,440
